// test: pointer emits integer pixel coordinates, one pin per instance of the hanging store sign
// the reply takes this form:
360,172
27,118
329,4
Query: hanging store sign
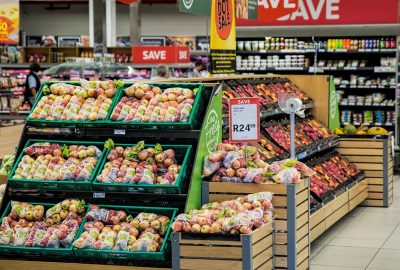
324,12
9,22
223,37
244,120
160,54
200,7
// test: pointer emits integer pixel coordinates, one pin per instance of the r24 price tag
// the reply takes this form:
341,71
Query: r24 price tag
244,120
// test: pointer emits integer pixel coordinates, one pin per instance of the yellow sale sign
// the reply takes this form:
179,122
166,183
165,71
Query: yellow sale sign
223,37
9,21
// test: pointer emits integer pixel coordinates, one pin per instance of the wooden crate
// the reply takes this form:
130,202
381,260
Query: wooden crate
333,211
225,251
373,154
291,210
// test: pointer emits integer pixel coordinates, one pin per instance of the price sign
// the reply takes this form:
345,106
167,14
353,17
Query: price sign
244,120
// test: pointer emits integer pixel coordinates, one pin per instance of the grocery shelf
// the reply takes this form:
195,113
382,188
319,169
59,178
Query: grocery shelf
357,51
12,117
374,87
371,106
275,52
26,65
199,53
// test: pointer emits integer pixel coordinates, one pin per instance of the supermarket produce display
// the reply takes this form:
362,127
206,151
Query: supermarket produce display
137,169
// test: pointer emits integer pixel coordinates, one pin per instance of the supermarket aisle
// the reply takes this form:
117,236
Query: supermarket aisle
367,238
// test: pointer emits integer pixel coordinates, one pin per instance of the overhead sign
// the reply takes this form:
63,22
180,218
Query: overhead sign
244,120
9,22
324,12
244,9
200,7
223,37
160,54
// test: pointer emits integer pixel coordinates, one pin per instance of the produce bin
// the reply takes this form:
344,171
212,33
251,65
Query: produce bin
67,123
183,156
224,251
37,251
194,117
54,184
291,211
131,255
373,154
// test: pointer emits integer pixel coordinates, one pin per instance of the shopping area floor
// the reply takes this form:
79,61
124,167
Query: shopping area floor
367,238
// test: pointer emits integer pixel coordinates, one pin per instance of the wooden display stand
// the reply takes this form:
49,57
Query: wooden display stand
291,210
333,211
373,154
224,252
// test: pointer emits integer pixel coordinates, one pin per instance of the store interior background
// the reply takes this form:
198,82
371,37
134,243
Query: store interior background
349,245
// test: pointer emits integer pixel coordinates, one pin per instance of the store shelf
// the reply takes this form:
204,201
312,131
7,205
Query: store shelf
358,51
19,112
372,106
375,87
199,53
275,52
275,69
12,117
26,65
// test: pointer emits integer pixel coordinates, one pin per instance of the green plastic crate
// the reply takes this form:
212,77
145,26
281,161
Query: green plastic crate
37,251
193,118
54,184
131,255
68,123
182,153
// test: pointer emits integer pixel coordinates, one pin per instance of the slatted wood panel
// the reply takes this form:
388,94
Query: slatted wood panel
374,156
333,211
223,191
210,252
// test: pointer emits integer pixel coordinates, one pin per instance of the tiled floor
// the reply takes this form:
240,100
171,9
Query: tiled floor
367,238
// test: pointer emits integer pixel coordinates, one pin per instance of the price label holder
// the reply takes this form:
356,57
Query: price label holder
244,120
99,195
119,132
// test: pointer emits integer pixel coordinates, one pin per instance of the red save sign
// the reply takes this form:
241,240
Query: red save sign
244,120
324,12
160,54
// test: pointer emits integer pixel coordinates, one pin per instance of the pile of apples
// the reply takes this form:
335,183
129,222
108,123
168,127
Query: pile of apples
318,185
51,161
242,215
229,164
144,103
61,101
24,226
140,165
115,230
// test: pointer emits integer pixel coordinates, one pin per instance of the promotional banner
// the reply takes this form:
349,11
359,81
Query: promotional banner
223,37
245,9
210,137
324,12
160,54
200,7
9,22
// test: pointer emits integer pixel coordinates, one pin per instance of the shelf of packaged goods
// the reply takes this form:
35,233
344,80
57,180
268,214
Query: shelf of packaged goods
26,65
357,51
353,69
275,52
370,124
17,113
371,106
373,87
274,69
